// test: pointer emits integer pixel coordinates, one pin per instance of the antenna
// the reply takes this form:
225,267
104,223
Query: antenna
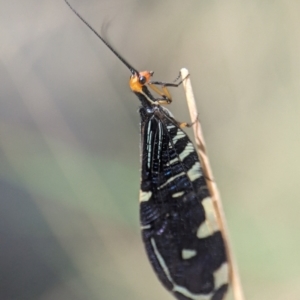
123,60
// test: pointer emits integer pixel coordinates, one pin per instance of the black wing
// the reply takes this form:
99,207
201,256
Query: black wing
179,227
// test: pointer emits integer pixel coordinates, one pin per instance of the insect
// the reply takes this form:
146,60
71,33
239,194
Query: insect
179,227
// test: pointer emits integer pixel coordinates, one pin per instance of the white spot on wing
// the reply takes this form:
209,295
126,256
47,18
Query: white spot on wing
170,126
188,253
204,230
170,179
172,161
161,260
180,134
195,171
221,275
210,225
146,227
176,195
185,292
189,148
145,196
149,141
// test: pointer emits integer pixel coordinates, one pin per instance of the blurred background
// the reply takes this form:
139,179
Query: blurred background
69,140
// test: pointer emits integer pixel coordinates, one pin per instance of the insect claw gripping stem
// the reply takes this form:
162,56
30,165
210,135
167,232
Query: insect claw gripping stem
188,124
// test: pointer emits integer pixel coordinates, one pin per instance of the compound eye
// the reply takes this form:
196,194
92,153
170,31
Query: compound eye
142,79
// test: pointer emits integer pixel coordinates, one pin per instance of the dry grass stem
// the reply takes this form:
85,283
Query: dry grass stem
200,144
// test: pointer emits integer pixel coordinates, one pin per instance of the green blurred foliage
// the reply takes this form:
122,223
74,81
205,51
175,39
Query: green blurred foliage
69,134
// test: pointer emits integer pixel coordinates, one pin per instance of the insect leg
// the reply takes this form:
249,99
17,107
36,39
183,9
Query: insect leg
166,97
173,84
164,92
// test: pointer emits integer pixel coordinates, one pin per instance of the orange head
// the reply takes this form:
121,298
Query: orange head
139,79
